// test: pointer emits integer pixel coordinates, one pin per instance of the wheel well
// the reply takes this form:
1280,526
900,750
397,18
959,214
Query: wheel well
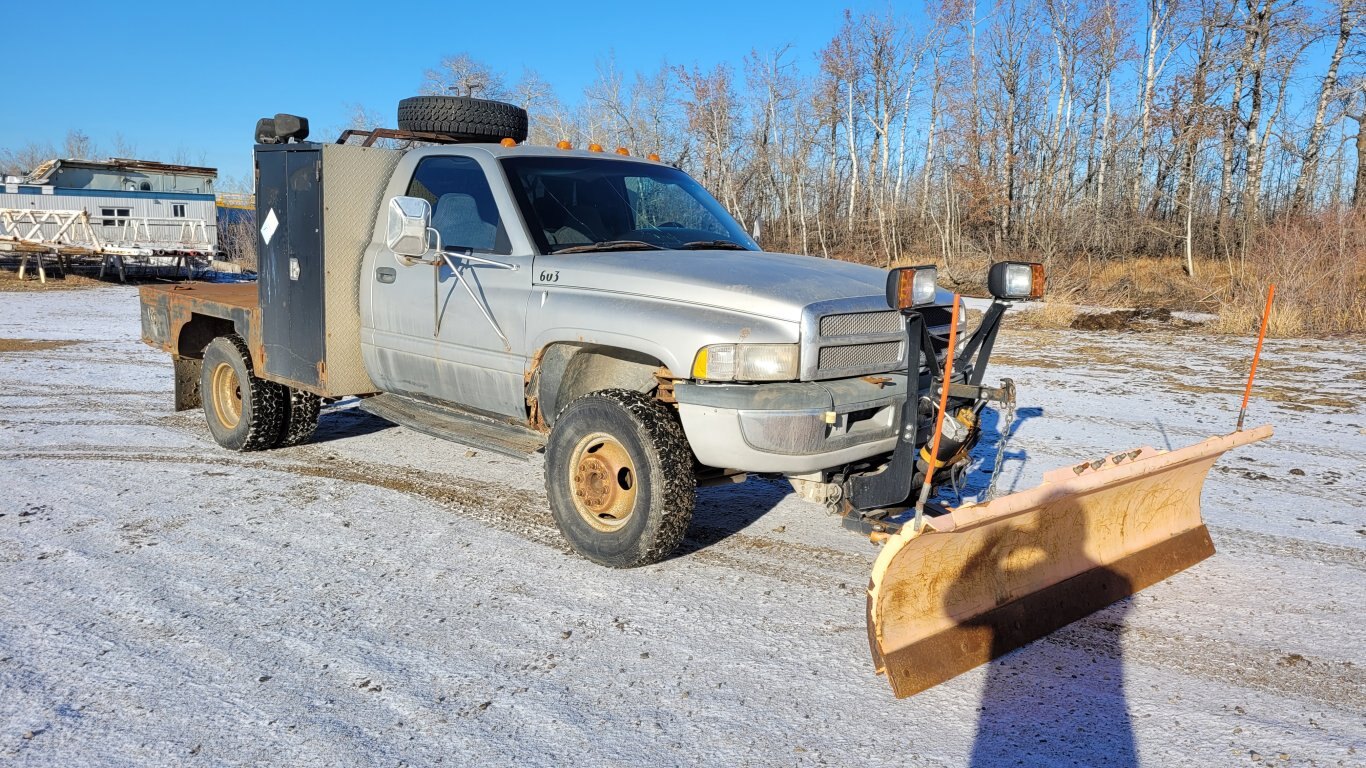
563,372
196,334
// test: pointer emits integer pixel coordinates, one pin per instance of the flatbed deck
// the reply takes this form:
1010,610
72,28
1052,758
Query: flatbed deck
226,307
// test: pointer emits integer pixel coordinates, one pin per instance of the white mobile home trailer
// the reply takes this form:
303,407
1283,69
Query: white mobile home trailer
126,200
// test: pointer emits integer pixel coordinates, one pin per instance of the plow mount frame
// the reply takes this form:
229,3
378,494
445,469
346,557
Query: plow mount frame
872,496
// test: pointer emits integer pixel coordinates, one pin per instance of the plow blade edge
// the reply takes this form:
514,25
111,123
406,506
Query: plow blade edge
987,578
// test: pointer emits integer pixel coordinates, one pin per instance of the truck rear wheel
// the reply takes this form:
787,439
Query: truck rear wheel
301,417
619,475
245,413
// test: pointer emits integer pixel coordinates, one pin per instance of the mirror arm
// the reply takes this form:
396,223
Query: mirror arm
461,254
456,273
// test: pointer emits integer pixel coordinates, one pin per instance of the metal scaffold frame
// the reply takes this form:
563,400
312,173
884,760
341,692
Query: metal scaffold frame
34,233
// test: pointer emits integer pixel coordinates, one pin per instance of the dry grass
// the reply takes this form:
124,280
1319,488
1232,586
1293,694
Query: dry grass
56,281
1318,265
1050,315
33,345
1319,269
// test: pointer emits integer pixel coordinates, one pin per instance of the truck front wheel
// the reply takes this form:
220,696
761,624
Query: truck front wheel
620,478
244,413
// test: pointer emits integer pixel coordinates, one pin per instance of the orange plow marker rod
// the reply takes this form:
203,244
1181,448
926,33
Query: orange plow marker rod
1256,356
939,420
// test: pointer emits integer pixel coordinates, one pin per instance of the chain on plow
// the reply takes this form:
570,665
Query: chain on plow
1007,420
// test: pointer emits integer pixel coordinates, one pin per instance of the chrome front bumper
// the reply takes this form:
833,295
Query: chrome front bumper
791,428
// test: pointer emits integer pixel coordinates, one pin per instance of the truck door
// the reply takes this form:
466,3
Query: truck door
458,329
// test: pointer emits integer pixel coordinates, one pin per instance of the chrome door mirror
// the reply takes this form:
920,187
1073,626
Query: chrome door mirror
410,218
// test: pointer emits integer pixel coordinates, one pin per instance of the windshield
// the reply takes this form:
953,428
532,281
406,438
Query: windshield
586,204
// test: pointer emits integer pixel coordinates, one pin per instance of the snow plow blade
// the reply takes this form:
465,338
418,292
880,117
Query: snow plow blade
985,579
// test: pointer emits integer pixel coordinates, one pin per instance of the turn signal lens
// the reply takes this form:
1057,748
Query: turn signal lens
910,287
1036,290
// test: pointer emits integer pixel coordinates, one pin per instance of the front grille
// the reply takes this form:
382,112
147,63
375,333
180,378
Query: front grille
860,324
857,336
883,353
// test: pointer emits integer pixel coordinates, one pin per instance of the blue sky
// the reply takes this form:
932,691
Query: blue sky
190,78
193,77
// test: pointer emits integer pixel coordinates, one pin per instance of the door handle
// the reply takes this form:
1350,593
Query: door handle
385,274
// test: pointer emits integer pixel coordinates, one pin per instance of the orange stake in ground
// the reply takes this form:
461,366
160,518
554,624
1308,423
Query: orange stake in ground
1256,356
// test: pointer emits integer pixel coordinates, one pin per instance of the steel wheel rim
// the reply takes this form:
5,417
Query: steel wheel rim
602,482
227,396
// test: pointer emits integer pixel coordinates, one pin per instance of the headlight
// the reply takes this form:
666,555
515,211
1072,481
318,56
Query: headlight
1016,280
909,287
746,362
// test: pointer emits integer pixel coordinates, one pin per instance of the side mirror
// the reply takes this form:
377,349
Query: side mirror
911,287
409,220
757,230
1016,280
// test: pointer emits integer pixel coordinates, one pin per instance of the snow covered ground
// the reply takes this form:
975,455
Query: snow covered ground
380,597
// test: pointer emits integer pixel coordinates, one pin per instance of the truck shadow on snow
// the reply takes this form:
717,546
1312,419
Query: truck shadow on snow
344,419
725,510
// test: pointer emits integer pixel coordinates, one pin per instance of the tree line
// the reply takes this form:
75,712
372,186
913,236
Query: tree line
1093,129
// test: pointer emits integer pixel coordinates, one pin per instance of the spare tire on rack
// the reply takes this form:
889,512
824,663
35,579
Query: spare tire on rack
462,117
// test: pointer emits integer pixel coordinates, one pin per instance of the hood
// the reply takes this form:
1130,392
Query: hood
775,285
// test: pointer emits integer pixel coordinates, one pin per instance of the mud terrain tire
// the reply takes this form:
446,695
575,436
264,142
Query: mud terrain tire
301,417
462,117
244,413
619,476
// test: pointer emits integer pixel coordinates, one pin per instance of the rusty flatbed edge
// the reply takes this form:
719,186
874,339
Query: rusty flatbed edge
167,310
236,295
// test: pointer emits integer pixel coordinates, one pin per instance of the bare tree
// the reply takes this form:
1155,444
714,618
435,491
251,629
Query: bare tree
463,75
22,160
78,145
1348,13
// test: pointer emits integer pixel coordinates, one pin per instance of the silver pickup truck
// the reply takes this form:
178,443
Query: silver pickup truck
599,307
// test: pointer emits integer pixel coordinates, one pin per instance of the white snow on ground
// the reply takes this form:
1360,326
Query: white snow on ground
382,597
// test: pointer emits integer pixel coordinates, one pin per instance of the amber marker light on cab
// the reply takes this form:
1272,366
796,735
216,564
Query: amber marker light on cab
562,144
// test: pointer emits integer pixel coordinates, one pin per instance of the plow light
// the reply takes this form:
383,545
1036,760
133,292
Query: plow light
1016,280
746,362
910,287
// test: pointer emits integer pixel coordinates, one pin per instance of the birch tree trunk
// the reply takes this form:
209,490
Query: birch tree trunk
1309,169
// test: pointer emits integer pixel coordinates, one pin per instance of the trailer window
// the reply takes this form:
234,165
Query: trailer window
115,217
463,210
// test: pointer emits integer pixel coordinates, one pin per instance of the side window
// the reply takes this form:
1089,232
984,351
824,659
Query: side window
178,210
463,210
